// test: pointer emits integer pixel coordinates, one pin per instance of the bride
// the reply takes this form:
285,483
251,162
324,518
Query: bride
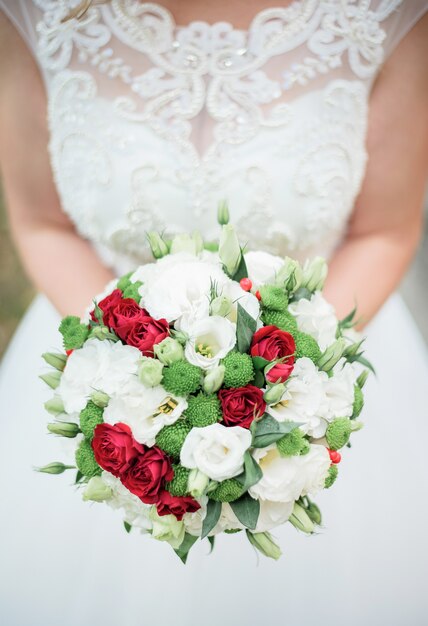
118,117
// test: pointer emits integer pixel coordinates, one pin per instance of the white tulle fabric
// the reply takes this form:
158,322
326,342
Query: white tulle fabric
151,123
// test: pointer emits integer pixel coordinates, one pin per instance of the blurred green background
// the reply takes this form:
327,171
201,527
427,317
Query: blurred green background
15,290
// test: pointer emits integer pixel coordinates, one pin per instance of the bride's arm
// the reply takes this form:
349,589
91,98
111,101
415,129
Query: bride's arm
386,224
61,264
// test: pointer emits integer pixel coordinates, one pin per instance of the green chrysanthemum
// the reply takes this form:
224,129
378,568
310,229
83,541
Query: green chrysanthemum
182,378
292,444
358,402
239,369
338,433
203,410
131,291
331,476
283,320
178,485
73,333
273,298
227,491
85,460
306,346
171,438
89,418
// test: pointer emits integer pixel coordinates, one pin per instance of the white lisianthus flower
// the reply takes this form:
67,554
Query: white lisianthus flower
216,450
210,339
144,272
135,512
339,390
178,284
146,410
167,528
304,399
262,267
227,520
272,514
193,521
314,467
282,480
317,318
98,365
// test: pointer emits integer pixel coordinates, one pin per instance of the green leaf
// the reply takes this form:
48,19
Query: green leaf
245,329
98,313
79,477
301,293
241,271
184,549
348,321
211,518
252,472
260,363
212,542
259,379
246,510
360,359
268,430
127,527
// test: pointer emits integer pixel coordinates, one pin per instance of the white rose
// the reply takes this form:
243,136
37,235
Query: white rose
262,267
98,365
210,339
314,467
273,514
282,479
135,512
339,390
178,284
216,450
304,399
317,318
145,410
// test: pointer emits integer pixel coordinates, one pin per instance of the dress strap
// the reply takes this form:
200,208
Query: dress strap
401,21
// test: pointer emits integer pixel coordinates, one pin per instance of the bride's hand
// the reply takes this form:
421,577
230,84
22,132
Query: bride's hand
385,227
62,264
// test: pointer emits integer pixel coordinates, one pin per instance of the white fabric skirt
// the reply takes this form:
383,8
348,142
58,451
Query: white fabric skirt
65,562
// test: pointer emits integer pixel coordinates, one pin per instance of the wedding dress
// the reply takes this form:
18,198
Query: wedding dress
151,124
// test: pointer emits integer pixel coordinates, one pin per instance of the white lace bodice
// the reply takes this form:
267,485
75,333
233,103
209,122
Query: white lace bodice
153,123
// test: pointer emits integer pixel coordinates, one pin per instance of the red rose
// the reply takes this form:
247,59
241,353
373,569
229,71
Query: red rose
146,332
146,476
124,315
107,306
273,344
178,506
115,448
241,405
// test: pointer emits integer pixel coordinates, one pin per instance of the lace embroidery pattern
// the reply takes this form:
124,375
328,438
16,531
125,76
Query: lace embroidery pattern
219,75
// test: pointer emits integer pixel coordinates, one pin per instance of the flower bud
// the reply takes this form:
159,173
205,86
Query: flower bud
102,332
214,379
157,245
167,528
52,379
183,242
197,483
222,306
54,406
150,371
265,544
314,513
354,348
223,216
274,393
96,490
55,359
100,398
332,355
64,429
301,520
56,467
314,274
361,380
169,351
229,249
180,336
289,276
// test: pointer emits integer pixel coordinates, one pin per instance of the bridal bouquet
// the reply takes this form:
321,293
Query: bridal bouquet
209,391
